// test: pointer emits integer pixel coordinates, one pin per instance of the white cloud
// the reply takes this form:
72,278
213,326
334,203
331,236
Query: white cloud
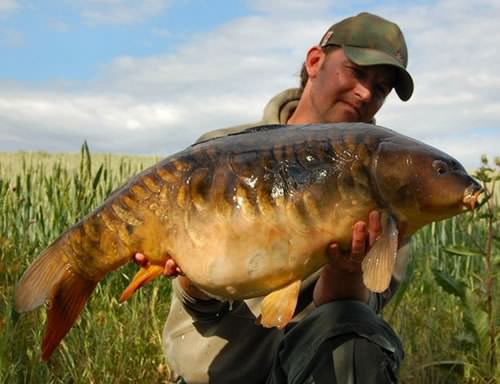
8,5
120,11
288,7
252,56
64,120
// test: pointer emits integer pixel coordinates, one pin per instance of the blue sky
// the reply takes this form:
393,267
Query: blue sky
65,41
150,76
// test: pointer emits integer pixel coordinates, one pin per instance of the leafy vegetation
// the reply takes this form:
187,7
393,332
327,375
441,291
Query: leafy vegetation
449,315
447,312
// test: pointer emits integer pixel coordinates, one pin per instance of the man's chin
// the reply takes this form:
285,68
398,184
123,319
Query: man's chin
347,115
348,118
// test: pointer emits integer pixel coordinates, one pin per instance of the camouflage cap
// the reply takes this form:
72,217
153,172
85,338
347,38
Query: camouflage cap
371,40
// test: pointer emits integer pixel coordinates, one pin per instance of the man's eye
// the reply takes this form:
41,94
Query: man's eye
382,90
358,73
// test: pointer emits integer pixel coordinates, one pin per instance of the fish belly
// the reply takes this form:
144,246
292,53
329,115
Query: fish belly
241,258
251,263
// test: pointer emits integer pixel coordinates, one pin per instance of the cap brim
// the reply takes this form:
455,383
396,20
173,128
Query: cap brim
367,56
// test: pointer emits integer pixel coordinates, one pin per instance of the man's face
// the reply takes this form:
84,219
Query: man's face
342,91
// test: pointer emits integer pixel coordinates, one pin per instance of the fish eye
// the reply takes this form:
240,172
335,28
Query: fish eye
440,166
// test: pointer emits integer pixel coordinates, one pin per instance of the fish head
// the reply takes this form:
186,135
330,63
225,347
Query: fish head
422,184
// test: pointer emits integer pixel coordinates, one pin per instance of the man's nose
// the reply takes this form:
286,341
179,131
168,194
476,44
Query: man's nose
363,91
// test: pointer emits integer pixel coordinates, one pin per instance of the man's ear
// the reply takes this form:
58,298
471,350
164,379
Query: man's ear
314,59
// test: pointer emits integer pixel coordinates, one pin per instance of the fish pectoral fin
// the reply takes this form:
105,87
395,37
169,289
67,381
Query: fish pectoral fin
144,276
378,264
278,307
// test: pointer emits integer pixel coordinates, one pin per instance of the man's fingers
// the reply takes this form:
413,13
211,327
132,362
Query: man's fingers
374,227
170,268
333,250
140,259
359,238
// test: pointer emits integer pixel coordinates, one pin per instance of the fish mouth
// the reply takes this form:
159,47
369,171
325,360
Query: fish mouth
471,196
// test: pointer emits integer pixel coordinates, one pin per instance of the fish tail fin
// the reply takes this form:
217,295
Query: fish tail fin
65,305
51,279
38,281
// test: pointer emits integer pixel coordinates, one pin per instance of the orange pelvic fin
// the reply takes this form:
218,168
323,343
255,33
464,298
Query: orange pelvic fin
144,276
278,307
68,299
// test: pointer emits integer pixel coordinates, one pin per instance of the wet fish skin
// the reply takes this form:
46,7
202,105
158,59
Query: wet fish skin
295,187
247,214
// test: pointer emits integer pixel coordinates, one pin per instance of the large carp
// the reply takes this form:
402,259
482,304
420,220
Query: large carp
251,214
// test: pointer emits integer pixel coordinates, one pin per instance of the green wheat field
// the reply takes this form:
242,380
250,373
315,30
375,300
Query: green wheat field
447,312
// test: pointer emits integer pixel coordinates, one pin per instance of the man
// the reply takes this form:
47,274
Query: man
335,336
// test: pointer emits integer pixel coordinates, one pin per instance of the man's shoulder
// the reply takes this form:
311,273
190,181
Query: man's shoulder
227,131
277,111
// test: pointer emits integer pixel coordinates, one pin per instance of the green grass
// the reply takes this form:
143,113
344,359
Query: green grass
441,315
40,196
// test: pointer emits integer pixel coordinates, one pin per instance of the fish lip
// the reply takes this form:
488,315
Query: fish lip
471,196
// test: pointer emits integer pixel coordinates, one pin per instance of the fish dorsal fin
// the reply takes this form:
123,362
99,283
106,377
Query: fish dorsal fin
378,264
142,277
278,307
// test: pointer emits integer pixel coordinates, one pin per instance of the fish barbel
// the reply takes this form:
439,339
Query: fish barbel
251,214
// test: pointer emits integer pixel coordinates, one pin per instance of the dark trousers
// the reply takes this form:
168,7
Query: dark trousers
342,342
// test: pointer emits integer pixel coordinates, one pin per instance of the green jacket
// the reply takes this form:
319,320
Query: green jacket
218,342
277,111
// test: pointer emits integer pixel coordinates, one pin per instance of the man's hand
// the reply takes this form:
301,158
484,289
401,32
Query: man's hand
171,269
342,277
